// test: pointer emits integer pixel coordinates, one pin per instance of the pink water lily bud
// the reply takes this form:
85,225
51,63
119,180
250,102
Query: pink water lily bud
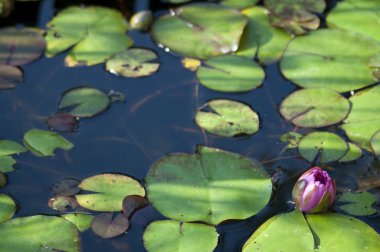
314,191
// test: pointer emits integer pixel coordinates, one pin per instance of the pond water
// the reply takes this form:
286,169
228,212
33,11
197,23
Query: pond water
157,118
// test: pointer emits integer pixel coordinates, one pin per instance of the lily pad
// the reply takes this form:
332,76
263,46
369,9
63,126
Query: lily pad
260,38
20,46
93,38
364,119
228,118
3,179
84,101
375,143
315,107
141,20
200,30
239,3
106,226
210,186
10,76
293,139
7,208
358,16
353,153
359,204
80,220
135,62
25,234
334,59
109,191
326,146
174,236
67,187
6,164
230,73
8,147
63,122
63,203
43,143
132,203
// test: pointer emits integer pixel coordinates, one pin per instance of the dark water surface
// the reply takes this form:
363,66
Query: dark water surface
156,119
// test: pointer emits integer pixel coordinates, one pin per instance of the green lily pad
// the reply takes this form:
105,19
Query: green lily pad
20,46
43,142
109,192
141,20
239,3
364,119
7,208
375,143
3,179
200,30
358,16
359,204
10,76
260,38
38,234
210,186
93,38
84,101
81,220
228,118
315,107
354,152
293,138
6,164
8,147
230,73
329,146
174,236
135,62
334,59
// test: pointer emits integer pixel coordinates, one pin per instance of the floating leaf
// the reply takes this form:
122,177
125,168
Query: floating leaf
353,153
67,187
110,190
364,119
141,20
174,236
359,204
228,118
7,208
20,46
38,234
3,179
6,164
106,226
329,146
260,38
10,76
332,59
239,3
200,30
210,186
314,107
230,73
132,203
191,64
80,220
93,38
63,203
84,101
293,138
375,143
43,143
135,62
63,122
8,147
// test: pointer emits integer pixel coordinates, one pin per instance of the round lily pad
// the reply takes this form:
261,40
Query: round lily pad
10,76
8,147
93,38
135,62
174,236
334,59
228,118
6,164
375,143
239,3
325,146
84,101
200,30
364,119
314,107
81,220
131,203
107,226
7,207
210,186
230,73
109,191
354,152
359,204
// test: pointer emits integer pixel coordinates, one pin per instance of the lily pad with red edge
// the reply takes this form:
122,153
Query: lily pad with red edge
66,187
10,76
7,208
358,204
131,203
63,122
106,225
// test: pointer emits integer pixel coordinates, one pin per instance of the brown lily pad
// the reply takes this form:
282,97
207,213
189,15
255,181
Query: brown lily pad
10,76
106,226
67,187
63,203
132,203
63,122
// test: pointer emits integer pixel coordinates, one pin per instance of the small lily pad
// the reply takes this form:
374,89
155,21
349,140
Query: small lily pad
84,101
10,76
67,187
191,64
293,138
106,226
109,191
131,203
230,73
43,143
141,20
228,118
353,153
135,62
63,203
6,164
8,147
315,107
63,122
327,146
174,236
7,208
375,143
80,220
239,3
359,204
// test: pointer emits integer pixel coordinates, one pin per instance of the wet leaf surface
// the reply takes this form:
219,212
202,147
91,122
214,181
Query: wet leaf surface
7,208
80,220
293,139
6,164
230,73
107,226
354,152
8,147
67,187
174,236
201,187
228,118
132,203
239,3
375,144
141,20
63,203
359,204
10,76
63,122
